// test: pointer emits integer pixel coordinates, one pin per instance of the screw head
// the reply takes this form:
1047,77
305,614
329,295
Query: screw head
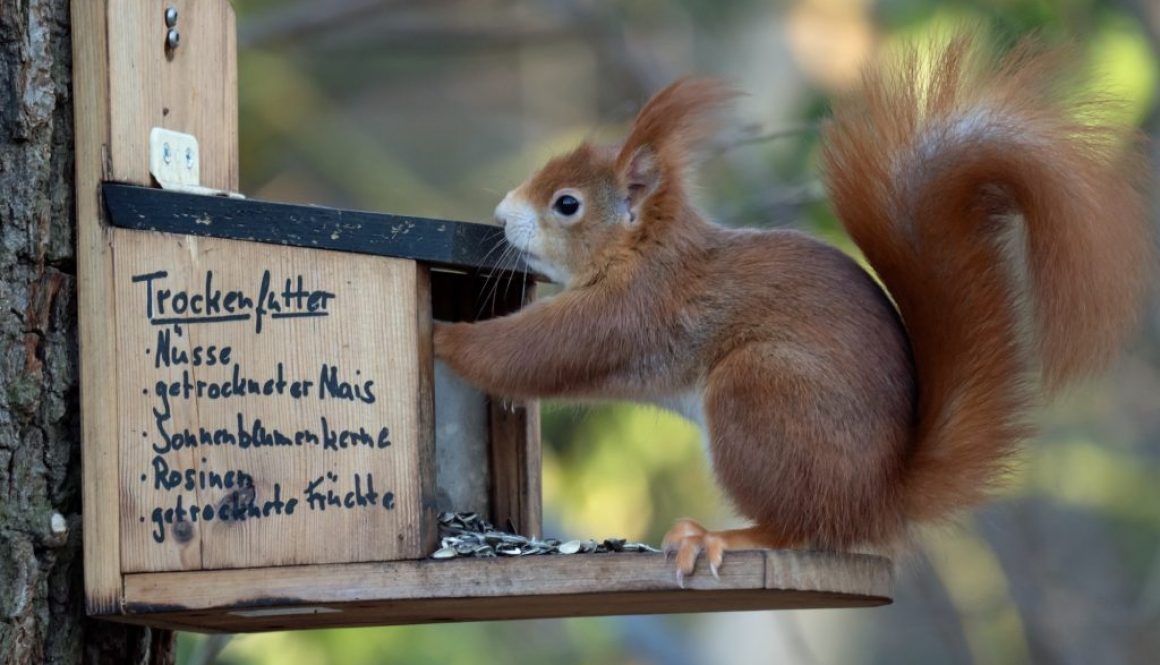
170,16
166,153
189,159
172,39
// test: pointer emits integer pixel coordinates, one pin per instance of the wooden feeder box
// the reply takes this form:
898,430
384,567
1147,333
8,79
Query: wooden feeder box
267,441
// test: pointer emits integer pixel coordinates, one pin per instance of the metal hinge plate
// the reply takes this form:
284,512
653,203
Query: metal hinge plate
174,162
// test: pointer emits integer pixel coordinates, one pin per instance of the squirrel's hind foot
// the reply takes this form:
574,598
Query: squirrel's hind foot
687,540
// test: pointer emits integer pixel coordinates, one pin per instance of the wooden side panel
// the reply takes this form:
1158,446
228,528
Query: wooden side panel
124,84
267,404
102,546
428,535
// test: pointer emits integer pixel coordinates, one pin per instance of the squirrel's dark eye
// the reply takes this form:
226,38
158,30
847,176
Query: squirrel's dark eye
566,205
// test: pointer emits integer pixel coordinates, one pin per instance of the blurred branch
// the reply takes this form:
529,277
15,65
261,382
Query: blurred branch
754,138
775,206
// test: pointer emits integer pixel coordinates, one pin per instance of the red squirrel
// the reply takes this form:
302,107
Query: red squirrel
1002,215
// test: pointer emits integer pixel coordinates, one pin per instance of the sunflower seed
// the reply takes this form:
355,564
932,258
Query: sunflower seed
570,547
469,535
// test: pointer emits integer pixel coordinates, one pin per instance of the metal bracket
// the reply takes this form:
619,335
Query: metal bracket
174,162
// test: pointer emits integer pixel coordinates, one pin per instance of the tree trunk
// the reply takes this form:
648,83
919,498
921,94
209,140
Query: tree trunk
42,616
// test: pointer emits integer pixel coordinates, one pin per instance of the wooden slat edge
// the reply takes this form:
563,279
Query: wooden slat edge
99,440
442,610
863,577
230,81
506,430
532,486
425,406
860,574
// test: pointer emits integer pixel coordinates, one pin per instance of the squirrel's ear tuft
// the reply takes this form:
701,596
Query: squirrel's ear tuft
675,124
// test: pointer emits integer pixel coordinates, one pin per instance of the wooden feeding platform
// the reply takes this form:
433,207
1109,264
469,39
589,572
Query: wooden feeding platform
408,592
267,439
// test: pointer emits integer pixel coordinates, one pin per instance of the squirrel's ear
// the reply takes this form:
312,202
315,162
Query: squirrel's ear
641,177
676,124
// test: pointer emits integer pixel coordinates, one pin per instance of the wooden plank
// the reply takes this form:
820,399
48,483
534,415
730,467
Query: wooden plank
435,241
295,439
826,571
428,526
486,589
100,495
445,610
123,86
427,579
191,89
532,473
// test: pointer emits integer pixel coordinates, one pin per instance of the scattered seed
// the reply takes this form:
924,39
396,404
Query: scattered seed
465,535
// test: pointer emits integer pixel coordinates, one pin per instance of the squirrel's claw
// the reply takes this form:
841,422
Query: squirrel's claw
687,540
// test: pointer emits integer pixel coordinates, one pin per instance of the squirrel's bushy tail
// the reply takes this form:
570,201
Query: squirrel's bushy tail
1005,219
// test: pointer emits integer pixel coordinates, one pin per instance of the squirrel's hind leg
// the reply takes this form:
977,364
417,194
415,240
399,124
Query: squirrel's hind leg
687,540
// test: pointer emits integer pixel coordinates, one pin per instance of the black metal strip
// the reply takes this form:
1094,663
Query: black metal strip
440,242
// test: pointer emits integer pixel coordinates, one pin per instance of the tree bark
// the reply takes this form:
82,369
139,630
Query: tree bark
42,615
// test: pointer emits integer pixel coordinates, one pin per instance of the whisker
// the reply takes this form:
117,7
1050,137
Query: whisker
490,273
511,276
499,243
524,286
494,276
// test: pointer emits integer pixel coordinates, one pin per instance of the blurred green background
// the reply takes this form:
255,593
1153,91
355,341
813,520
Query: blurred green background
436,107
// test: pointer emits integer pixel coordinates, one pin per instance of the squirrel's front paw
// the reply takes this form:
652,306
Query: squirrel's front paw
442,339
688,540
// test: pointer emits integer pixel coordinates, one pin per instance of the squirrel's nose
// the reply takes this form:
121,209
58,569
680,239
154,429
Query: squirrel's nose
502,209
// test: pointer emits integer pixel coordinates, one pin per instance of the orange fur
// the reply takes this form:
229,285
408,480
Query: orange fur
834,419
